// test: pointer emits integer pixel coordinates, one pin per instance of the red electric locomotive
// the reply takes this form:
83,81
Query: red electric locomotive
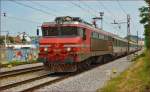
69,42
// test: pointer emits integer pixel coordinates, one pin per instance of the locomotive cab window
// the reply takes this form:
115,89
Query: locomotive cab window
69,31
62,31
82,33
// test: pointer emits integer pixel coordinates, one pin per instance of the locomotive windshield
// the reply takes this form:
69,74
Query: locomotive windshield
60,31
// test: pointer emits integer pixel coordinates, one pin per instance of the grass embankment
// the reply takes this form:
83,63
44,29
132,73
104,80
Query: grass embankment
135,79
16,63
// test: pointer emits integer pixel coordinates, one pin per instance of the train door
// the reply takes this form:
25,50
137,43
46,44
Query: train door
84,36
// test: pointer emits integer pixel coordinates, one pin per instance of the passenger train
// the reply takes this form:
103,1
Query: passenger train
69,43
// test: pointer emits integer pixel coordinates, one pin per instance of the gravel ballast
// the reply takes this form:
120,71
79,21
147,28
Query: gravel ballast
22,77
91,80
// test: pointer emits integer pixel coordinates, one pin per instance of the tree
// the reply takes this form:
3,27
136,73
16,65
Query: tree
145,19
11,39
1,40
23,38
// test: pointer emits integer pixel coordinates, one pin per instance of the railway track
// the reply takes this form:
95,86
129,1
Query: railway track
40,81
46,79
20,71
7,86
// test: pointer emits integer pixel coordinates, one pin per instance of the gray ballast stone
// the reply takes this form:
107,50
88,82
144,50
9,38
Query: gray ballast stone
91,80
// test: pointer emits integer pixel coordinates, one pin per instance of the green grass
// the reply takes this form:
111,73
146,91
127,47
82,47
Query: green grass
135,79
16,63
145,73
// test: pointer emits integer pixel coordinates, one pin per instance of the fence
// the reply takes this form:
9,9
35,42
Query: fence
21,54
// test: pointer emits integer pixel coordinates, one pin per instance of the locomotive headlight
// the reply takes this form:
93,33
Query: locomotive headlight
45,49
68,49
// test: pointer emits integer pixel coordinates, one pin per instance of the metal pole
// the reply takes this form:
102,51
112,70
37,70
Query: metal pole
0,17
4,14
101,17
137,40
102,23
128,32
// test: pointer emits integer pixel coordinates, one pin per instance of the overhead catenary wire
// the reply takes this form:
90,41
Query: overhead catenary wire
90,9
124,11
79,6
37,9
45,7
94,14
117,30
106,9
103,20
21,19
99,2
121,7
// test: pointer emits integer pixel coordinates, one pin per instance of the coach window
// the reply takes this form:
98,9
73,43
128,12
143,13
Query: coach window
101,36
94,35
109,38
97,35
116,42
121,43
106,37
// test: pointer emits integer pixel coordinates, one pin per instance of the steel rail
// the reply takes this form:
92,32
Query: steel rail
20,71
7,86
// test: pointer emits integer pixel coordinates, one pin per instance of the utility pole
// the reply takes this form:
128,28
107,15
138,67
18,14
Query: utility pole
99,18
0,17
4,14
128,30
128,33
118,23
6,35
137,39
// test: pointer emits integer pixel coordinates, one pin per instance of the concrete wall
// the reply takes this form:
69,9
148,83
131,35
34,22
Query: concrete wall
22,54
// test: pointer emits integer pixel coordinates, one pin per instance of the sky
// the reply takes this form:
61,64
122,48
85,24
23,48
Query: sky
27,16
